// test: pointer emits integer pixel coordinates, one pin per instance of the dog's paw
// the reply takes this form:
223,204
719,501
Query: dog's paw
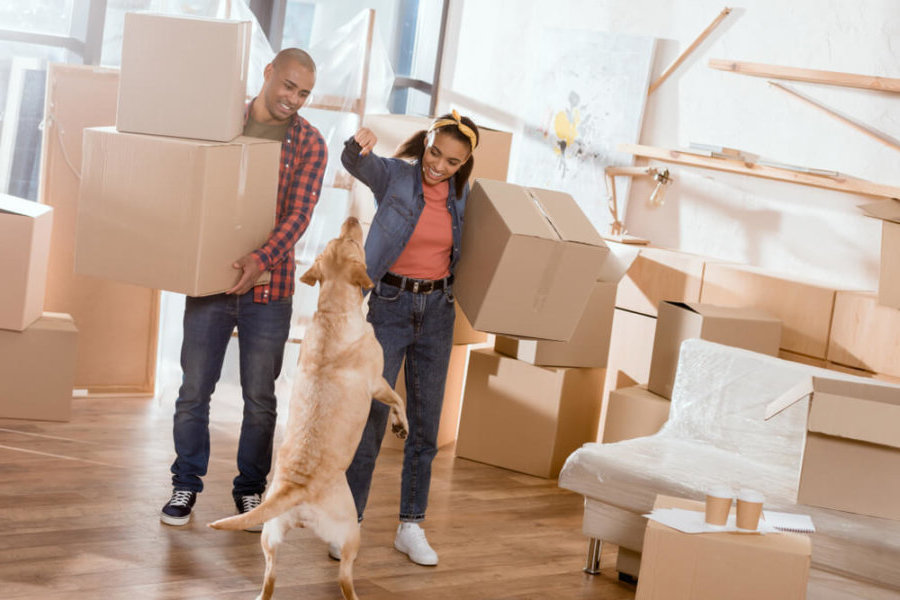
399,430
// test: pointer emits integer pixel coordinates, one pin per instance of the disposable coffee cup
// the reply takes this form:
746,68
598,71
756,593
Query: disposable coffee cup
718,504
749,509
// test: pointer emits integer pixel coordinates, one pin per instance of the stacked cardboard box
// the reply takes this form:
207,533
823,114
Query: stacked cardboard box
172,197
37,349
536,273
657,274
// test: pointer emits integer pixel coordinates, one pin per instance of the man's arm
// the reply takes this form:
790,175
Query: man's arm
302,198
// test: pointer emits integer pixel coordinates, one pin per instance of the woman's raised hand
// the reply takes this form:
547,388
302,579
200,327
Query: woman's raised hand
367,139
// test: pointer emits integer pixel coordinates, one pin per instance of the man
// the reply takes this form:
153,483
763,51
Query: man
261,313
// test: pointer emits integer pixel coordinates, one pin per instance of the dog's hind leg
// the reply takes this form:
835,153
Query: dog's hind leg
272,535
335,521
385,394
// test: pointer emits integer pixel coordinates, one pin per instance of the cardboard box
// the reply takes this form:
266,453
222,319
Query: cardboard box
851,461
183,76
715,566
889,274
804,306
630,351
25,229
678,321
463,333
491,155
37,369
526,418
864,334
172,213
453,388
529,261
659,274
634,412
589,345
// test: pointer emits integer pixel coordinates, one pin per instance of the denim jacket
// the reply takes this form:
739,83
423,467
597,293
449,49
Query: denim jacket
397,186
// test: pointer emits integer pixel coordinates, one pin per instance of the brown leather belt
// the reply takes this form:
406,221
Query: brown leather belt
417,286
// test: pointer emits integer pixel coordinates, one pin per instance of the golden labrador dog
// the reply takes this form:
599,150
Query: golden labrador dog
338,374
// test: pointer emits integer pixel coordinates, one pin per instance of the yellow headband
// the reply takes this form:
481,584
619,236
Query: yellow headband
463,128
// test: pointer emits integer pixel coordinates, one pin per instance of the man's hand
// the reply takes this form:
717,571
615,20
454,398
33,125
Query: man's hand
250,272
366,139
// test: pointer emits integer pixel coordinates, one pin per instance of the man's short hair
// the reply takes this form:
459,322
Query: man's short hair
301,56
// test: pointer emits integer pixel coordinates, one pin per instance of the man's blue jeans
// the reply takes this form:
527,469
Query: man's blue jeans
419,328
262,333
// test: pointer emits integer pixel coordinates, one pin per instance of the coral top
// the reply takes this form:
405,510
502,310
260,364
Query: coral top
427,254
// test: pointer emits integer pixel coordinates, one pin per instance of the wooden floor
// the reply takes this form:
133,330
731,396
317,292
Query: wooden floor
79,506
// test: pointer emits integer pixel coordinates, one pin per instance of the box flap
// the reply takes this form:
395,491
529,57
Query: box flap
618,261
566,217
20,206
799,391
714,311
888,210
516,207
856,418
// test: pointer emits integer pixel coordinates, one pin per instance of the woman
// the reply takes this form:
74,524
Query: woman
411,252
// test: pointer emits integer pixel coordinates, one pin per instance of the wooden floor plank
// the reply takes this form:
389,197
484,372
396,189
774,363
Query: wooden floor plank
79,506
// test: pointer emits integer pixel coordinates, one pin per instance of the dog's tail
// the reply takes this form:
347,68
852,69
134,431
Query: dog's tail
280,501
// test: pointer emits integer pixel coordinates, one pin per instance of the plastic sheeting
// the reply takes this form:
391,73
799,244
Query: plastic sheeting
717,434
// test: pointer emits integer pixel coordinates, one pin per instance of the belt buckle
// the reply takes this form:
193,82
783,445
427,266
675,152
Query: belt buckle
415,289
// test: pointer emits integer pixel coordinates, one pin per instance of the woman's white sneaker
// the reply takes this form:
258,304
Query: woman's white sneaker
411,541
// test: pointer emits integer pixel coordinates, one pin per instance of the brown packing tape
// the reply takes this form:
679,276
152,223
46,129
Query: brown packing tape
545,284
537,202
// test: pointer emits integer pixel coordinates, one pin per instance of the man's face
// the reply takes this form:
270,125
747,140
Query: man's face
286,89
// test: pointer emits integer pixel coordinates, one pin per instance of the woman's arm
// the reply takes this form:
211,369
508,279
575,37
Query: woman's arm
359,160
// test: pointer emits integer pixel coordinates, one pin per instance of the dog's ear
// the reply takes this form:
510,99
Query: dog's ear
312,275
360,277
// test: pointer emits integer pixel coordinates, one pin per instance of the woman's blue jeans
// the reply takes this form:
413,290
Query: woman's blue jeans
419,328
262,333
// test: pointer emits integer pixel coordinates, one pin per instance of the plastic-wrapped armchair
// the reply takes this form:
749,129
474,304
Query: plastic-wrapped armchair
717,433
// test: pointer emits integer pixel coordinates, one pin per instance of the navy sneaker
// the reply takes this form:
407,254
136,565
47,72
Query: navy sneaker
177,510
246,504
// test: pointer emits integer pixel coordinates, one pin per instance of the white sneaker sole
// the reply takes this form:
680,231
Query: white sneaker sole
170,520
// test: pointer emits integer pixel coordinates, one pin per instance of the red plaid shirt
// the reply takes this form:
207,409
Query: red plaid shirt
303,158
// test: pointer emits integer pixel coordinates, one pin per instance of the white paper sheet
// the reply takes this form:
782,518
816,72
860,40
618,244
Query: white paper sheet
692,521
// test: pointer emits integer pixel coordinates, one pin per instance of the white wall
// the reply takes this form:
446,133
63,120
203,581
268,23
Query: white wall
807,232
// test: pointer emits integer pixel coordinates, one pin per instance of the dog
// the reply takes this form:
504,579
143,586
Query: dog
339,372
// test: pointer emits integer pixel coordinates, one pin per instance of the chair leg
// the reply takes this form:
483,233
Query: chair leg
592,564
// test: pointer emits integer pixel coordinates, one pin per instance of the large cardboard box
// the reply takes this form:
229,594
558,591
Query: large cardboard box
529,261
804,306
865,334
171,213
462,329
716,566
453,388
634,412
889,274
678,321
526,418
183,76
851,461
630,351
589,345
659,274
37,369
25,229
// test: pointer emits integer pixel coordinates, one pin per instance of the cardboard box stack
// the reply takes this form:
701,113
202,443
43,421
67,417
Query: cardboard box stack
172,196
37,349
713,566
656,274
851,461
533,267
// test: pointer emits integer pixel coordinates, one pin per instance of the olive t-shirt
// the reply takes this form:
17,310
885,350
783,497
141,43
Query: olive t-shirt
254,128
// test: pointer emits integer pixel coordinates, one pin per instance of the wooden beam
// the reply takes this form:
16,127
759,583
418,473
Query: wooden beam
840,183
866,82
687,51
872,134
